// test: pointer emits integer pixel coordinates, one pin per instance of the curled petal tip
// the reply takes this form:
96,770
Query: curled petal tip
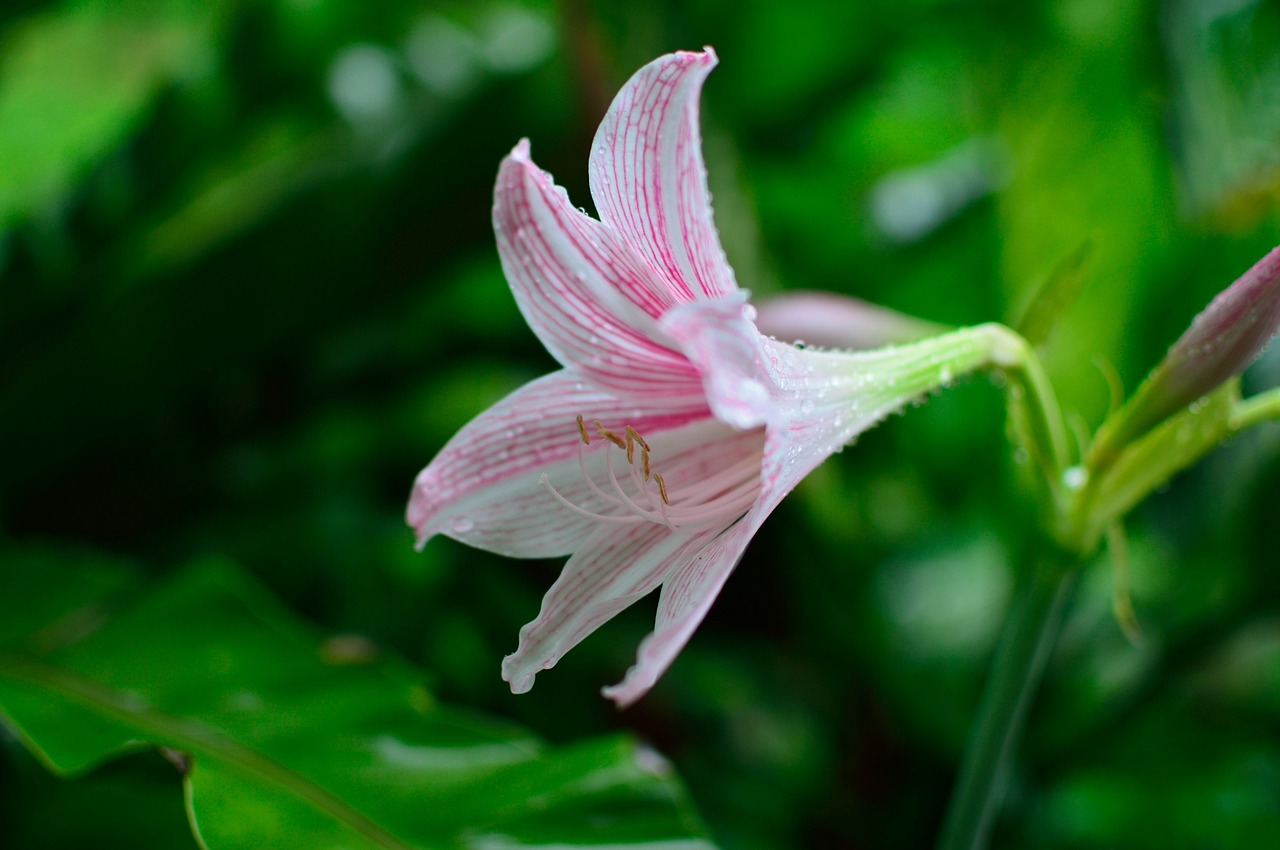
625,693
418,513
707,56
521,681
520,153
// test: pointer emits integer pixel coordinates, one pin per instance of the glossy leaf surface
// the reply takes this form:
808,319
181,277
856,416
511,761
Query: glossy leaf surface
286,742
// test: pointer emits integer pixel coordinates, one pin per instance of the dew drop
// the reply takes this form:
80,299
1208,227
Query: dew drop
461,525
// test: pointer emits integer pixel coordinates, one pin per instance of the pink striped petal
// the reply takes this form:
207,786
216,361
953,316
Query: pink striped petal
615,567
648,179
589,298
483,487
720,339
687,594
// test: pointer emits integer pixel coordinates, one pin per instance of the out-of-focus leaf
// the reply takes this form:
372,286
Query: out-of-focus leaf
75,81
1088,166
1054,297
1174,778
36,603
1224,69
237,192
284,742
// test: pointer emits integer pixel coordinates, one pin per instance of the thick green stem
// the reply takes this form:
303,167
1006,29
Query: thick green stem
1025,644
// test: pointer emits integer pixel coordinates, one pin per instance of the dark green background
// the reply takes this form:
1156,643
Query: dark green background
248,287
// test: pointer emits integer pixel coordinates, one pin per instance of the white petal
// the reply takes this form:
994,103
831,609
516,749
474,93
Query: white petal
686,597
720,339
483,487
586,294
648,178
615,567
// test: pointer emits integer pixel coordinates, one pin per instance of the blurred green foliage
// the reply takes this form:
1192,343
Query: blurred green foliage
248,288
283,740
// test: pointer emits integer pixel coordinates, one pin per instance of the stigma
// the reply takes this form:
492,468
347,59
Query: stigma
628,489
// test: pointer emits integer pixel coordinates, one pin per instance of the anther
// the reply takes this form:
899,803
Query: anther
633,434
662,486
644,461
609,435
582,430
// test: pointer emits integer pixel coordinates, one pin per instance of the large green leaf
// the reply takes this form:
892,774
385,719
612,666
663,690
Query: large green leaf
287,741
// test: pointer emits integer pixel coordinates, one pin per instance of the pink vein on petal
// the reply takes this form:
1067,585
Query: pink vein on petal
483,487
648,177
613,569
584,292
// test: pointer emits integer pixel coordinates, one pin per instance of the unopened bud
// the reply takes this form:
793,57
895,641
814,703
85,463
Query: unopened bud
1225,338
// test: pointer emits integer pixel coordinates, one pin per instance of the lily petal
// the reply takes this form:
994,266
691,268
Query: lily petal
687,594
720,339
615,567
584,291
484,489
649,181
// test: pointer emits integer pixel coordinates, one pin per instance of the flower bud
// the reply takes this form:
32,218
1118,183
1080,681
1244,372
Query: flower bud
1225,338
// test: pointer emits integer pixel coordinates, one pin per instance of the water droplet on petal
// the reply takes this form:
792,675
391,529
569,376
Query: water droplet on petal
461,525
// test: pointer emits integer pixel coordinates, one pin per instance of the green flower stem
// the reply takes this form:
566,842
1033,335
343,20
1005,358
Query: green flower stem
1034,414
1263,407
1025,644
1083,504
1032,627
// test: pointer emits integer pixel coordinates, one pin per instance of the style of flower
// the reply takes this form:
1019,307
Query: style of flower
673,428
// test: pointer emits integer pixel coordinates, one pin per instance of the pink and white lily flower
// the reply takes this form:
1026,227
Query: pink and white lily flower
674,427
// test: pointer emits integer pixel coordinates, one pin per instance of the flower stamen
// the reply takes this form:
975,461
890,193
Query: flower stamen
717,498
662,487
633,434
611,436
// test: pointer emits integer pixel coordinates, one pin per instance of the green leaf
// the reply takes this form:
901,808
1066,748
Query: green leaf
1054,297
287,741
73,84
